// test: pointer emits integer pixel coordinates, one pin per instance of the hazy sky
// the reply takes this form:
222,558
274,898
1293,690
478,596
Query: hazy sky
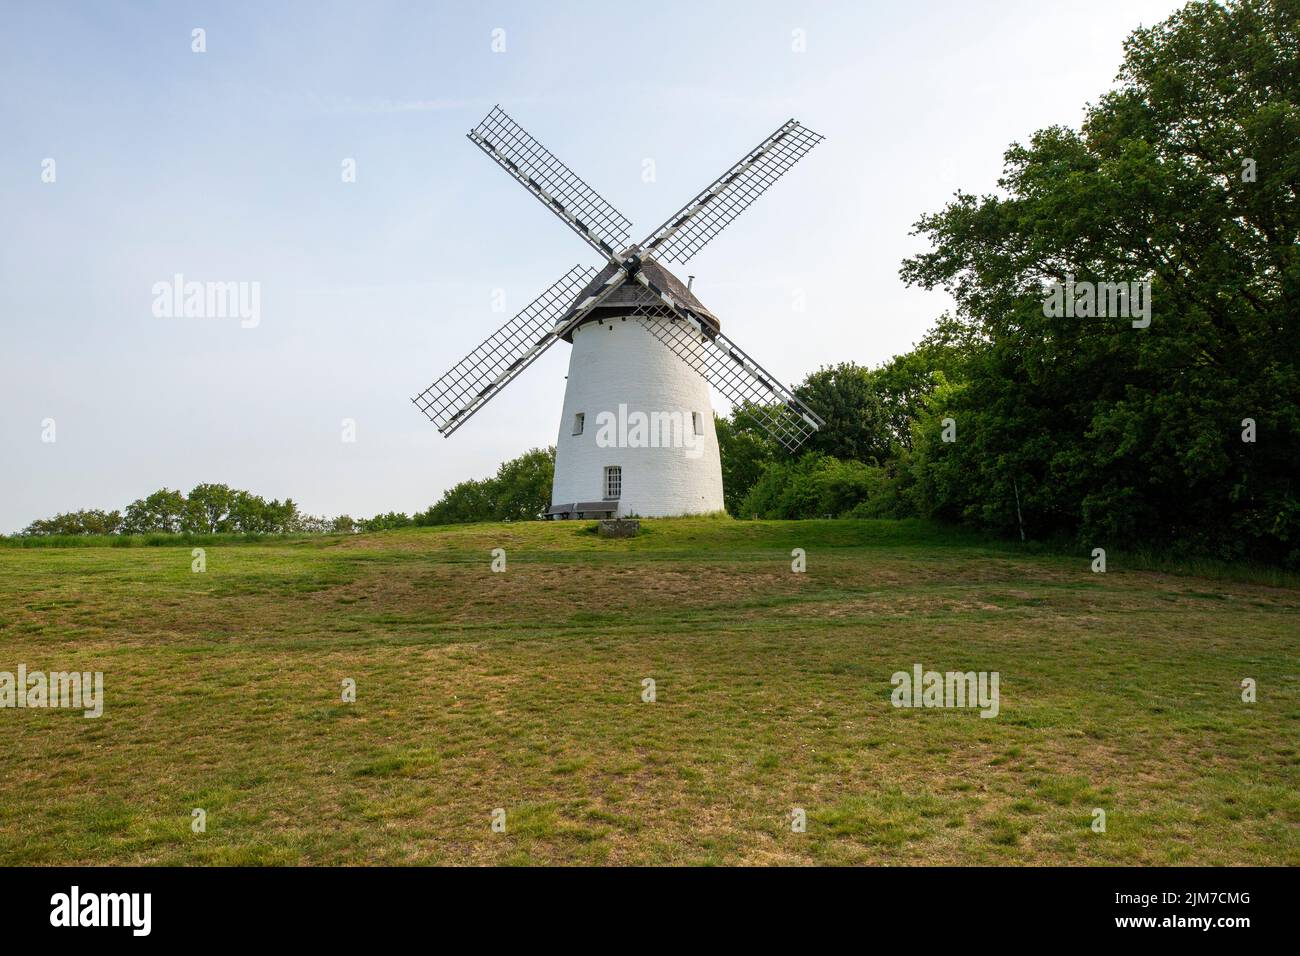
226,166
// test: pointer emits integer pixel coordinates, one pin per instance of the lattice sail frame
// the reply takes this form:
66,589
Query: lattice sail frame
475,379
736,376
691,228
559,188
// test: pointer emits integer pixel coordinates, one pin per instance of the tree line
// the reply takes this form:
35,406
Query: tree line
207,509
519,491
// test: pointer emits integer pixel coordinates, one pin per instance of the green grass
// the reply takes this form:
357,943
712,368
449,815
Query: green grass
522,691
155,540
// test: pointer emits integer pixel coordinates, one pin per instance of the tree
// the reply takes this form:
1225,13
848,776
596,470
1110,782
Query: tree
162,511
522,487
207,509
387,522
746,453
464,502
246,513
77,523
281,517
857,422
315,524
520,491
904,383
1184,177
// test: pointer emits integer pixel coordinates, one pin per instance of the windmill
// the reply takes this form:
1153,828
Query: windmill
636,433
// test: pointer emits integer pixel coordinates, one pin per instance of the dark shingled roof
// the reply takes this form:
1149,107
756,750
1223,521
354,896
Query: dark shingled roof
632,293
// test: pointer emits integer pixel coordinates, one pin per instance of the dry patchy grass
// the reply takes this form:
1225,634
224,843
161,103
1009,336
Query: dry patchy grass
522,691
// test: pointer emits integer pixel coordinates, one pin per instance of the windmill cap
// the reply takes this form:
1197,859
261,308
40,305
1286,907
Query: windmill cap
631,294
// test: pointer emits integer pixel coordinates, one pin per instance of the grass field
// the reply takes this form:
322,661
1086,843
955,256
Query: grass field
522,690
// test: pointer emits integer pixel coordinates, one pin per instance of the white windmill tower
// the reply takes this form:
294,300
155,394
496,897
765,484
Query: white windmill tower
636,434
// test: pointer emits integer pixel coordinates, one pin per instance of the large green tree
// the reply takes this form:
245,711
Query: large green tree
857,420
1186,176
521,489
161,511
207,509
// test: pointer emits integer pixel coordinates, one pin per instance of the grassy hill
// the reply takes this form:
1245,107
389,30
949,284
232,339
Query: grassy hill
522,690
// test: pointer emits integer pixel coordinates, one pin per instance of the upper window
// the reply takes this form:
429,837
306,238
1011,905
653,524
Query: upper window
698,421
613,481
578,419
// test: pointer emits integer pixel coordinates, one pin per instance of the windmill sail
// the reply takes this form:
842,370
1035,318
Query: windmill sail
558,187
477,378
736,376
689,229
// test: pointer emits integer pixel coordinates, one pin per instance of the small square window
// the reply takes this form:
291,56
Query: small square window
578,420
698,421
613,482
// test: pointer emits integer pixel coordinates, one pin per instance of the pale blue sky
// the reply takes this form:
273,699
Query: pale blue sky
225,166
